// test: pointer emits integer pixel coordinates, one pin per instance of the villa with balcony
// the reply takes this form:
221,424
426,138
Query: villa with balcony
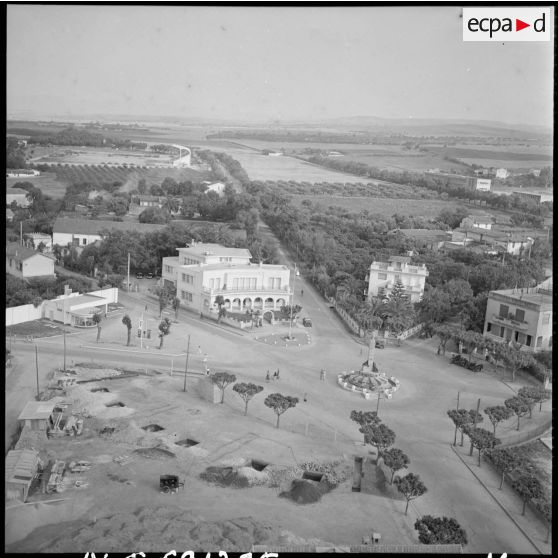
521,315
203,271
384,275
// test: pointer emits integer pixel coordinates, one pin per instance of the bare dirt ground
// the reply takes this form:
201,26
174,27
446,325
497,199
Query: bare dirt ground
133,513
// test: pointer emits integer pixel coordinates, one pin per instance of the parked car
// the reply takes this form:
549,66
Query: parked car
149,276
139,275
380,344
307,322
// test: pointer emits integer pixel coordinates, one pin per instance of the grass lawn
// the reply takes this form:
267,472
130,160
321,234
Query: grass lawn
36,328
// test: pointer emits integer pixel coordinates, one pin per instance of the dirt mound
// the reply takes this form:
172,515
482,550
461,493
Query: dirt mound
305,492
151,529
154,453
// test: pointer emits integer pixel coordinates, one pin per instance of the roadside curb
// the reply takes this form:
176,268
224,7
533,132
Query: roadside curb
528,537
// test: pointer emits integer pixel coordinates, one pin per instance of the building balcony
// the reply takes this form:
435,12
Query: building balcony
227,291
510,321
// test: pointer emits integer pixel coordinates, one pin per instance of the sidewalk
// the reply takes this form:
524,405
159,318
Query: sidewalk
530,525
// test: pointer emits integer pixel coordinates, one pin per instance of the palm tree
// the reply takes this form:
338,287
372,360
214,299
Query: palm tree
128,323
96,319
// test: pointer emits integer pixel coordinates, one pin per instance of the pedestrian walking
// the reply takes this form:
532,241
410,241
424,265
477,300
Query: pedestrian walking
322,375
301,292
277,373
146,307
305,398
274,375
199,349
267,378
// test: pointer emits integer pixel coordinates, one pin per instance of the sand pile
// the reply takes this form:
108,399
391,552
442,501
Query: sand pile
253,477
305,492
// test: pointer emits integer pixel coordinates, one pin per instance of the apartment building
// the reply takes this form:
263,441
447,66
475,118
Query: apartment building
521,315
383,275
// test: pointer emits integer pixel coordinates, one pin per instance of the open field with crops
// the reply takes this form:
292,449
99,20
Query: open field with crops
54,183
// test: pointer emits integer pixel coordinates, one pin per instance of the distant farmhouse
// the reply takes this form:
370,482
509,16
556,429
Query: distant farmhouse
83,232
477,222
502,173
217,187
18,196
433,239
470,182
25,263
34,240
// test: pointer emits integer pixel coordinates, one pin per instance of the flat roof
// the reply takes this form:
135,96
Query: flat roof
21,465
211,249
541,299
37,410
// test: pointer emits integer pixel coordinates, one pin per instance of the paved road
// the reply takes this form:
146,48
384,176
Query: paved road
417,413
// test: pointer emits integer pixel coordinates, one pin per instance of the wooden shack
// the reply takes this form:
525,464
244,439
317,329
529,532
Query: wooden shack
43,415
21,467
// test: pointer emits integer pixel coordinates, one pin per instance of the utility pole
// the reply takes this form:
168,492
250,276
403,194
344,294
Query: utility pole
141,331
64,349
378,403
457,408
21,232
128,285
186,368
37,368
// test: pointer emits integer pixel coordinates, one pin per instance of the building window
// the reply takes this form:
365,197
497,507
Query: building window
516,336
184,277
187,278
84,241
397,277
521,338
504,309
185,295
539,341
488,327
546,319
382,276
529,340
519,315
502,331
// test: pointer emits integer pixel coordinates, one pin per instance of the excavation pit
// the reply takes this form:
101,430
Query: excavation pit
258,465
115,404
188,443
152,428
311,475
154,453
107,431
100,389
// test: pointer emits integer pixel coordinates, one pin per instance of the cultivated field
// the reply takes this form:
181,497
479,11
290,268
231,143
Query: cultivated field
54,183
263,167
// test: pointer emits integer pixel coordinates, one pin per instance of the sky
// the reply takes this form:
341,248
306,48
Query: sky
269,63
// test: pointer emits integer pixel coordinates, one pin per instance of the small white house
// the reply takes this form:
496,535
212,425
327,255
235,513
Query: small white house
502,173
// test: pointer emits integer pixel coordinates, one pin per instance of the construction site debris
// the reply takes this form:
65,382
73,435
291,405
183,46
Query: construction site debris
305,492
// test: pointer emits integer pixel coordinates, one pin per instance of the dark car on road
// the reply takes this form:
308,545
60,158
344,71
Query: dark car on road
139,275
149,276
307,322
